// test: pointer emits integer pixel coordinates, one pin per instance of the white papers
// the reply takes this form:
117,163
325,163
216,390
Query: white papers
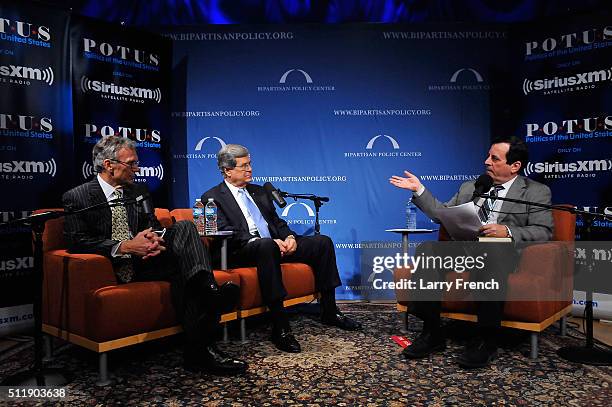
461,221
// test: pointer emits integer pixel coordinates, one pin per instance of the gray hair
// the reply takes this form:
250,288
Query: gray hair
226,157
106,149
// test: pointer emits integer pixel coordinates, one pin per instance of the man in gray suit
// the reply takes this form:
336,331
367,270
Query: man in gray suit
126,235
523,223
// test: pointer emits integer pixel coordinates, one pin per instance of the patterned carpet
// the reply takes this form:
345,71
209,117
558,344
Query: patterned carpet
335,367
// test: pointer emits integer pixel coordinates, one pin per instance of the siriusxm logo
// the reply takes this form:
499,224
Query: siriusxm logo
120,53
123,93
463,79
385,142
87,171
23,74
580,169
296,80
24,170
24,33
579,81
140,135
17,263
568,41
570,129
306,218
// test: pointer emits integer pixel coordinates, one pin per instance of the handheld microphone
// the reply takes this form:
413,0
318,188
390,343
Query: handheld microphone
482,185
276,195
144,201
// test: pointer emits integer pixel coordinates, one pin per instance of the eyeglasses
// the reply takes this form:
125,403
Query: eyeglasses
245,166
132,164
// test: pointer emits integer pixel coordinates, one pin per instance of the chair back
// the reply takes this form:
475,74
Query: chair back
53,236
565,225
182,214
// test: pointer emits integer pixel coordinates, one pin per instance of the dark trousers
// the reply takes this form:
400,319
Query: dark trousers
184,258
500,260
316,251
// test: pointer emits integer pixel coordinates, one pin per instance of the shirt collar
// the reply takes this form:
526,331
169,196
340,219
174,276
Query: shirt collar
107,188
233,189
509,183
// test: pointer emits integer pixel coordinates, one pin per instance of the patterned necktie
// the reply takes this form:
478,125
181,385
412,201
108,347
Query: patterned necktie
260,222
121,232
487,207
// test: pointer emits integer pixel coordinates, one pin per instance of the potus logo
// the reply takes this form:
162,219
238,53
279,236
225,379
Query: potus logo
307,77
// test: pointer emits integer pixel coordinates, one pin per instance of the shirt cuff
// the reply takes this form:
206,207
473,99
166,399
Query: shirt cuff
420,191
115,249
253,239
508,230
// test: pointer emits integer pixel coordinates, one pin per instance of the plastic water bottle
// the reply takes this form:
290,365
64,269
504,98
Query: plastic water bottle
198,216
210,211
411,214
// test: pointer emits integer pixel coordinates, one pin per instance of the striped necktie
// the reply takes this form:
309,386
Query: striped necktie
260,222
487,207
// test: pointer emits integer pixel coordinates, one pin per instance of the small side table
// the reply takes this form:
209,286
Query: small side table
223,235
406,232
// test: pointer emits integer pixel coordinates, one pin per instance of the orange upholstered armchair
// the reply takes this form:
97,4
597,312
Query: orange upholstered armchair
83,304
298,279
545,272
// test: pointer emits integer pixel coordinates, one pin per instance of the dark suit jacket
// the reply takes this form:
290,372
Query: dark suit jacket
230,217
527,223
90,232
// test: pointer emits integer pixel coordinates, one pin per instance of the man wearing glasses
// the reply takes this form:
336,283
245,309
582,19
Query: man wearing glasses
264,240
125,234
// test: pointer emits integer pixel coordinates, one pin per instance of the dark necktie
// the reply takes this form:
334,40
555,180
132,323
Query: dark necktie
487,207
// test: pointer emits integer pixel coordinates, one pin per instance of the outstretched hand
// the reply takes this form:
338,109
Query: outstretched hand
410,181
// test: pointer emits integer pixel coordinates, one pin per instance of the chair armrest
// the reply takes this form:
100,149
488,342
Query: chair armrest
68,280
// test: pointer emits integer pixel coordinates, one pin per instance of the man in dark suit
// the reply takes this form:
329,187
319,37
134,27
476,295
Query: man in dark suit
125,234
264,240
523,223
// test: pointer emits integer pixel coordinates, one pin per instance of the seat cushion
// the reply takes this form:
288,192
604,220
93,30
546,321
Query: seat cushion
298,279
128,309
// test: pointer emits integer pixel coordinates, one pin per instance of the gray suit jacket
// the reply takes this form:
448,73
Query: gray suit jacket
526,222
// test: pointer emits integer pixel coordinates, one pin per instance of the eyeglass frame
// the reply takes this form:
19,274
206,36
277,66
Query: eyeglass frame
132,164
244,167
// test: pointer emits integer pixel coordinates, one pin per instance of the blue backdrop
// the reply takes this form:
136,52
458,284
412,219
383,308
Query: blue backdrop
335,111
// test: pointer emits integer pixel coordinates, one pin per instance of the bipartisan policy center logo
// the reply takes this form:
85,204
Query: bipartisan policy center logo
299,213
462,79
87,171
386,146
296,80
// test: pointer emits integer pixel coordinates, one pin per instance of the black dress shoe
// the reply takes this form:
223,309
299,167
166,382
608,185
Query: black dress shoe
284,340
340,320
479,353
212,360
424,345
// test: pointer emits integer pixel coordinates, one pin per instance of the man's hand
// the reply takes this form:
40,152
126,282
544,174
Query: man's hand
410,182
281,246
493,230
145,244
290,245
